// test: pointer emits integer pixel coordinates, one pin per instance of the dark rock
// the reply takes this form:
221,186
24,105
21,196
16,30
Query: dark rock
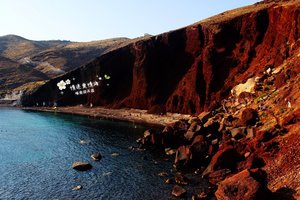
242,186
183,155
181,124
147,139
264,136
156,139
181,179
96,156
249,117
178,191
173,134
212,126
82,166
148,133
199,149
280,80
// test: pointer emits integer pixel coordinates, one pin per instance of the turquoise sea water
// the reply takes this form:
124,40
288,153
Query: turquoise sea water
37,151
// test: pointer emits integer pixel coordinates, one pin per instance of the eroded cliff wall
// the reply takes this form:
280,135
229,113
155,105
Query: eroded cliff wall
187,70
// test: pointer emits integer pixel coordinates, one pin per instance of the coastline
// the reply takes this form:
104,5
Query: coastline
125,114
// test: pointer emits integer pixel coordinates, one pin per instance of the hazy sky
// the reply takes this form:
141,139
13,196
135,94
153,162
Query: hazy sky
86,20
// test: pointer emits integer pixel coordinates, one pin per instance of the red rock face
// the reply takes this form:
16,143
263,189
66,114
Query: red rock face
191,69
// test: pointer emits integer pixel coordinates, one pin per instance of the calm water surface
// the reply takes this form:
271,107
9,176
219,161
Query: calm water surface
37,151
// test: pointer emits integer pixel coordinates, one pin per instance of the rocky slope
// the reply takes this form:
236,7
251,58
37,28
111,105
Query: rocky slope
23,61
188,70
248,147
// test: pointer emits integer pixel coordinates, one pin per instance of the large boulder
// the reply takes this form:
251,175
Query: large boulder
225,158
82,166
249,117
199,149
246,185
183,155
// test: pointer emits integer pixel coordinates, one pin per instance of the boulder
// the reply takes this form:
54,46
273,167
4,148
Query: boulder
226,158
156,139
183,155
249,117
178,191
199,148
96,156
78,187
245,185
147,138
245,97
173,134
81,166
280,80
181,124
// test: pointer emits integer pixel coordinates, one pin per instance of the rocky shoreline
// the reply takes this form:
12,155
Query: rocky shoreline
240,148
244,149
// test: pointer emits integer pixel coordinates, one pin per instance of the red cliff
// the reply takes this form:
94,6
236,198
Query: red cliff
188,70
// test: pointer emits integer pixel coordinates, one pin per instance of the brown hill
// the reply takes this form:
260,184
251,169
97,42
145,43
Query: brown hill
16,47
23,61
188,70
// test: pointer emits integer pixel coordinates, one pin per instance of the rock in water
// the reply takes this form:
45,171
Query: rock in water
178,191
78,187
82,166
96,156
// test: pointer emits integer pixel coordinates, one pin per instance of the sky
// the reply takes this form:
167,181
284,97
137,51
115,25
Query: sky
87,20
